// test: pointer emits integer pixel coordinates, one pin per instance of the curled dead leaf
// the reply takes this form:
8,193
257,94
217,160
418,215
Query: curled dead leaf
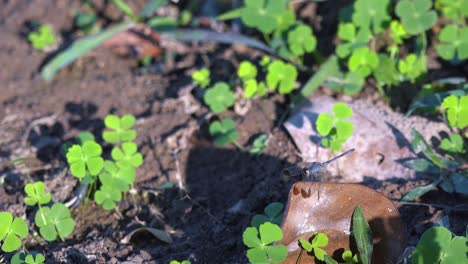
328,207
158,233
137,42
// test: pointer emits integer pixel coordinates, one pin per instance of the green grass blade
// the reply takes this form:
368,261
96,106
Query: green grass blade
79,48
151,7
362,235
235,13
328,69
126,9
419,191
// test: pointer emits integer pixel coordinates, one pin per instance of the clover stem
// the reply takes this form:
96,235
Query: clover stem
36,238
119,214
237,145
42,215
299,258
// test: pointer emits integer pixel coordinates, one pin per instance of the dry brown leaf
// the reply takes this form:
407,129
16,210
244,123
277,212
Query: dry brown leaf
328,207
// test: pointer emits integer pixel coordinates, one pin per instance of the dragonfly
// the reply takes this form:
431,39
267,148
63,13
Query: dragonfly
314,171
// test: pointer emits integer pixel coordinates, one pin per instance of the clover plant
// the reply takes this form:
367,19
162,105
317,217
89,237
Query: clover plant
363,61
453,42
261,249
273,214
36,194
372,14
42,38
454,10
21,258
320,240
119,129
353,38
85,160
439,245
180,262
457,110
127,156
416,15
349,258
119,178
54,222
335,129
201,77
12,230
224,131
253,88
453,144
412,66
107,197
219,97
247,71
301,40
282,76
259,144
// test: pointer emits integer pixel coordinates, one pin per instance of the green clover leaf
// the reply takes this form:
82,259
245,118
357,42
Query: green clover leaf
252,88
273,214
107,197
247,70
351,83
201,77
117,178
386,73
412,66
224,131
11,231
259,144
453,144
348,257
262,14
455,10
86,158
282,75
219,97
21,258
120,129
301,40
363,61
453,43
265,61
371,14
85,136
260,250
127,156
42,38
319,241
354,39
335,130
397,32
457,110
182,262
54,222
416,15
37,194
433,245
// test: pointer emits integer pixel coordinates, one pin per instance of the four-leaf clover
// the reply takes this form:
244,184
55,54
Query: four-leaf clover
120,129
282,75
37,194
320,240
224,131
260,249
301,40
54,222
453,42
219,97
86,158
127,156
11,231
416,15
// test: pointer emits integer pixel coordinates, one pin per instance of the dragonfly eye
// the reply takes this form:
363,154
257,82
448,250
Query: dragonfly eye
305,172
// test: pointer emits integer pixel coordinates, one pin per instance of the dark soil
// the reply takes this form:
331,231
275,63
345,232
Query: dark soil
222,188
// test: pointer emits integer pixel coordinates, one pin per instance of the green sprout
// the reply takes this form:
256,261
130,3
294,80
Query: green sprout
253,88
363,61
453,43
224,132
219,97
455,10
439,245
371,14
453,144
272,214
301,40
119,178
265,61
397,34
335,129
54,222
201,77
37,194
120,129
412,66
354,39
416,15
259,144
247,71
180,262
42,38
282,75
263,15
260,249
12,230
457,110
362,235
319,241
21,258
107,197
85,159
348,257
127,156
